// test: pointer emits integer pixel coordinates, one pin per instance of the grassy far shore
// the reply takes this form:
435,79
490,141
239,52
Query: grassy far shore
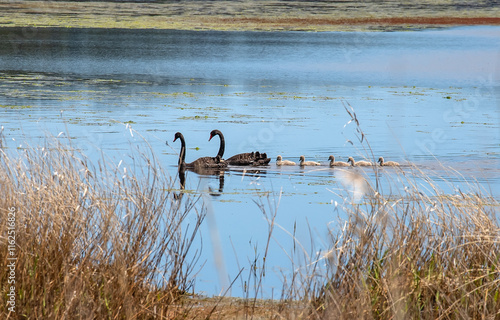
249,15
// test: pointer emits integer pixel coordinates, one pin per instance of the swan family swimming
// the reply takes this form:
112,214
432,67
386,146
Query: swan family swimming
243,159
350,162
256,158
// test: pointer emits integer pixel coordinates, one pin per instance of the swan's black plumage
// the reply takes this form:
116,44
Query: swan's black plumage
242,159
201,163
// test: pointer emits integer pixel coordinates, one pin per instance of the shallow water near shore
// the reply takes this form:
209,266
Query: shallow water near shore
430,98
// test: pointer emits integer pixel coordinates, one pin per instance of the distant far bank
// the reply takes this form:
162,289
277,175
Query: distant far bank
249,15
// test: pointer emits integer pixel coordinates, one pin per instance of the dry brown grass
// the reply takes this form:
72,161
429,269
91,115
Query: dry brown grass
415,256
98,241
419,253
94,242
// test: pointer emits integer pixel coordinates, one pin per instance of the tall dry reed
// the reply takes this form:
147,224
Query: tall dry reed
94,241
412,251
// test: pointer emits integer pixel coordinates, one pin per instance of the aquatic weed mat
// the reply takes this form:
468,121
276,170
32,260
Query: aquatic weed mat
249,15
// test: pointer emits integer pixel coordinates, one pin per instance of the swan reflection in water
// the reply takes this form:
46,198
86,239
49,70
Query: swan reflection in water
219,173
182,172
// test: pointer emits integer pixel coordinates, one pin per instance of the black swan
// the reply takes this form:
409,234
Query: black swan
388,163
359,163
303,162
338,163
281,162
242,159
201,163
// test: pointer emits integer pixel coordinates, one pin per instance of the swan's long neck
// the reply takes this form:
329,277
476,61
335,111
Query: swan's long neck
222,145
182,154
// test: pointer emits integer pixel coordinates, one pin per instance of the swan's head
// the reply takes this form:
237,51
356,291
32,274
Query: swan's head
178,135
302,158
214,133
279,158
331,158
351,160
381,160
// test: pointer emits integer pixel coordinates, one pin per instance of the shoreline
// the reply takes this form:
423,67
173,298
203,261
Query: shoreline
244,15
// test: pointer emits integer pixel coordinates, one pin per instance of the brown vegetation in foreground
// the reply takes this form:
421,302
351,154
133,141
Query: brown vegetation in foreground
95,241
419,254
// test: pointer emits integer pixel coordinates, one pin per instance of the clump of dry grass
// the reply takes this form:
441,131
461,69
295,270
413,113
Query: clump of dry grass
418,253
95,242
415,256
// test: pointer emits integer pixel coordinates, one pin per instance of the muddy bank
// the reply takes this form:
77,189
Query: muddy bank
250,15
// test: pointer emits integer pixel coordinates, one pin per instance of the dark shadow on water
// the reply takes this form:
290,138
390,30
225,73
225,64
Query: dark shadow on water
217,172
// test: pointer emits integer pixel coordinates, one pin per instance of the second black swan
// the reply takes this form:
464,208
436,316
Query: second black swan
242,159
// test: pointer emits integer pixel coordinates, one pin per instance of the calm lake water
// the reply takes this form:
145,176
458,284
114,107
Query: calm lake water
429,97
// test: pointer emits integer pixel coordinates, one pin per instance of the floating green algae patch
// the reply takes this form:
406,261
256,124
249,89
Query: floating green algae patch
174,94
205,117
12,106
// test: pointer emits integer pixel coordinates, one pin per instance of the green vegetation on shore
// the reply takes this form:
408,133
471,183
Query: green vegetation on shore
247,15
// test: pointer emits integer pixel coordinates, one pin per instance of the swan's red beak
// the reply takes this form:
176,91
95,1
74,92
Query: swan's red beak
175,139
211,136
